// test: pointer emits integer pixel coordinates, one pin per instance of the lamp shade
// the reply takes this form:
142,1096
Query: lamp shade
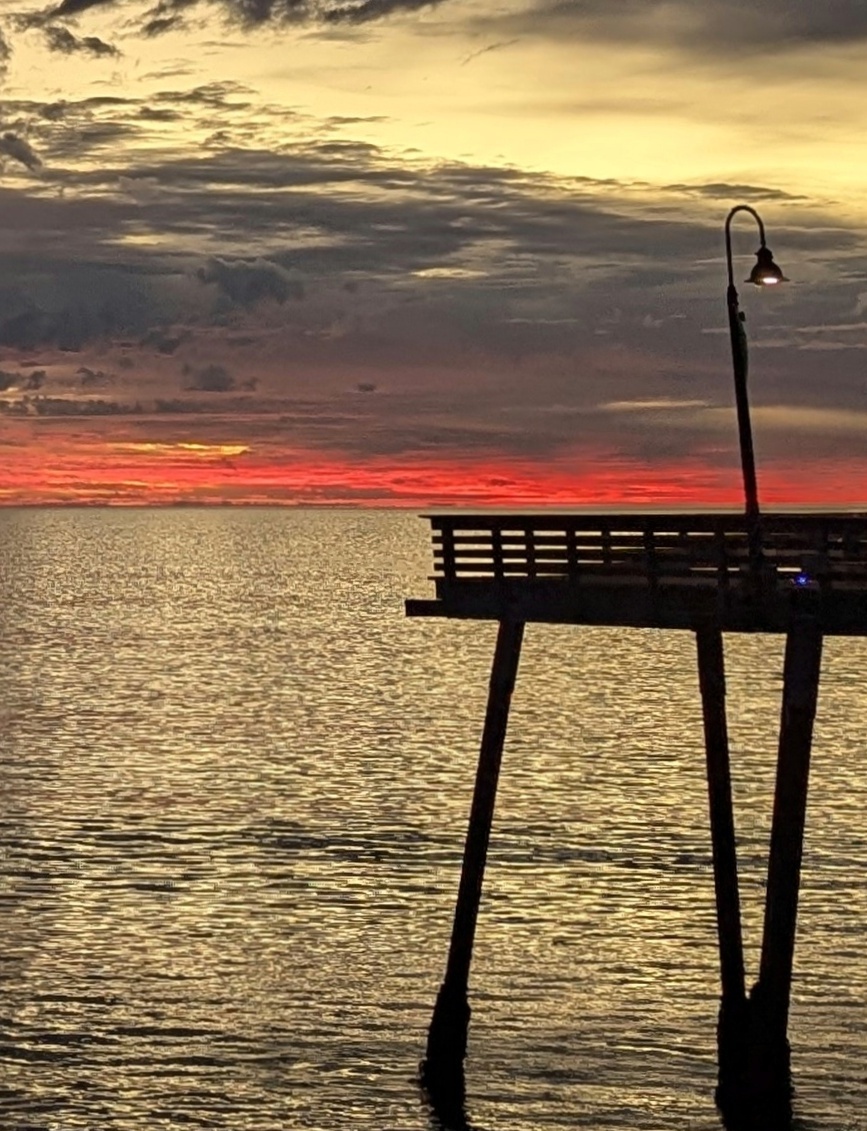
766,273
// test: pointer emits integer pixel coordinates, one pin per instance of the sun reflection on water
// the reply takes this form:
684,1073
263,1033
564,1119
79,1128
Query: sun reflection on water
236,782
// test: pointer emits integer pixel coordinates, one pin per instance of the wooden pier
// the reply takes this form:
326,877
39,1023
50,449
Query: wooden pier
695,572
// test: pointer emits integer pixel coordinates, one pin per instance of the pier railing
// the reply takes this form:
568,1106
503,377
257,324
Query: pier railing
829,550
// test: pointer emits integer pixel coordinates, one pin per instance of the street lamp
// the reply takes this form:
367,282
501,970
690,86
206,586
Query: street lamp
765,273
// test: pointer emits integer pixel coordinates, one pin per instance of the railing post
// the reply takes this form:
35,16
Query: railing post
572,552
448,535
605,538
530,550
651,563
722,562
497,550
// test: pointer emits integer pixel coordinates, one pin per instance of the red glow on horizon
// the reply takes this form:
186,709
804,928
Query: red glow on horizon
159,474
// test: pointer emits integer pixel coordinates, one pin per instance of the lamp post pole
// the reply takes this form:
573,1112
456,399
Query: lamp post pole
764,273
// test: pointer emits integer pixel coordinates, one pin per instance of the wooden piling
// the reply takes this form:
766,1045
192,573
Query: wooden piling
711,672
771,995
733,1004
756,1094
442,1070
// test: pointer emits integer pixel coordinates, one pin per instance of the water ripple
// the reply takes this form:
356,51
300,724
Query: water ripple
236,781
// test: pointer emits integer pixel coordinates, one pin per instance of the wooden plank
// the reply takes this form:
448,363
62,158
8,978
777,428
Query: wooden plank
705,553
519,553
531,561
772,522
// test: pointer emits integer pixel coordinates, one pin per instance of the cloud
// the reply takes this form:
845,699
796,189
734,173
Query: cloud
790,419
477,299
362,11
162,341
248,282
212,379
94,378
214,95
66,406
62,40
487,50
660,403
390,256
68,301
168,15
159,25
20,149
76,7
712,28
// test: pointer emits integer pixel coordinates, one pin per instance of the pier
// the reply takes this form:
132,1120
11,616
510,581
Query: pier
800,575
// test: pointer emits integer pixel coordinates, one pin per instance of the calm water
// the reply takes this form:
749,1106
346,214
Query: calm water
235,781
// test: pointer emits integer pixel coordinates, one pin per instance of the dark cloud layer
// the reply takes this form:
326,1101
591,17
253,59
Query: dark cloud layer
712,27
167,14
357,252
489,307
76,7
170,15
247,283
709,30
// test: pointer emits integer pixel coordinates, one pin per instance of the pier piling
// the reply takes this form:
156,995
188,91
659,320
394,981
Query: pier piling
442,1070
770,997
711,670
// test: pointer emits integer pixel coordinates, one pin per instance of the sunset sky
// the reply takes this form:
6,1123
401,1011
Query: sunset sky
397,252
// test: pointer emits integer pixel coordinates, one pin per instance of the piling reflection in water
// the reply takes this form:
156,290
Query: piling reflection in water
235,790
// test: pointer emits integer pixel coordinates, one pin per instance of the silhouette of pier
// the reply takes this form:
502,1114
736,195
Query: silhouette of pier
704,573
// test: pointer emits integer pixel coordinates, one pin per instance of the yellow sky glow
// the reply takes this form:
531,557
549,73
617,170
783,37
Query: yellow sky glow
592,110
204,451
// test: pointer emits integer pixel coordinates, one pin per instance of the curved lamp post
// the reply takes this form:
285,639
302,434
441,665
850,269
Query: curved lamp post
765,273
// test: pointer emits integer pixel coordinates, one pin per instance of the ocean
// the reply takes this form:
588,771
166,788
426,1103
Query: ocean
234,786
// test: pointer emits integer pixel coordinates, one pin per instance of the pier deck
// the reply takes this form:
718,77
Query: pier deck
649,571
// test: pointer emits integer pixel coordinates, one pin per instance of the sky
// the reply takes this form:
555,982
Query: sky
429,252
